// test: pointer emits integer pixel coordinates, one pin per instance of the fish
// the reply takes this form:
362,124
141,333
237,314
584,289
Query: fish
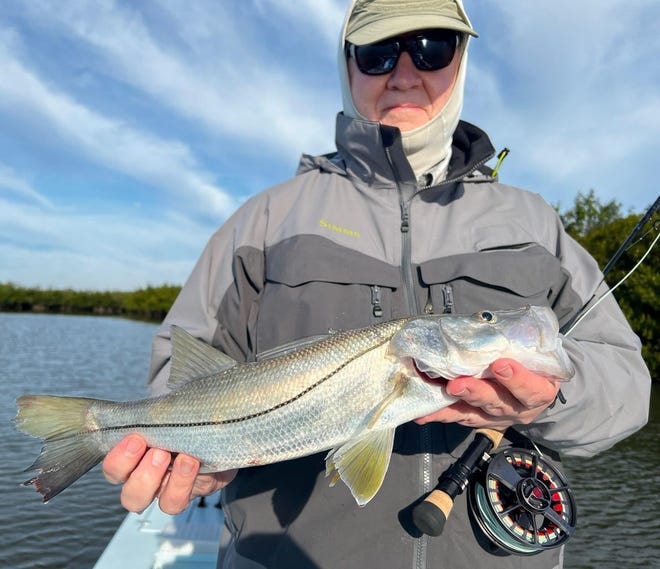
344,393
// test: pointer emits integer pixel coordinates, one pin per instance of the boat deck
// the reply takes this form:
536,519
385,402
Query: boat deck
155,540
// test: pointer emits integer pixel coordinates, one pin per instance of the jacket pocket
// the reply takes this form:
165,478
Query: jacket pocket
498,278
314,292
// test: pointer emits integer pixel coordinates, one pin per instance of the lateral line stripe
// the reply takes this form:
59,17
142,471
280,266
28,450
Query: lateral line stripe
247,417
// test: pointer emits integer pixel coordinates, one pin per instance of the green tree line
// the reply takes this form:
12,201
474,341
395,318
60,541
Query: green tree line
599,227
151,303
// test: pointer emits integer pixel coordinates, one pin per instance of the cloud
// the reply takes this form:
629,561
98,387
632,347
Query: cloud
82,250
11,182
572,89
109,142
210,72
322,16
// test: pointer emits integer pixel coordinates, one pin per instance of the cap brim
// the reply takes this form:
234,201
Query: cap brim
395,25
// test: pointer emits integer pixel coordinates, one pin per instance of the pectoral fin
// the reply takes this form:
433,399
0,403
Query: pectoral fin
362,464
397,391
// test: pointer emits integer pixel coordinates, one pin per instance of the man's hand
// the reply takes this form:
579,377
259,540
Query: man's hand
145,475
515,396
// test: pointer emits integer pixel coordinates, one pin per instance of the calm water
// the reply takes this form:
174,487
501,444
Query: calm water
618,493
72,355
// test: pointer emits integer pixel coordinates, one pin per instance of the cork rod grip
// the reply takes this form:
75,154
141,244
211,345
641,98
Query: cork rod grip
431,514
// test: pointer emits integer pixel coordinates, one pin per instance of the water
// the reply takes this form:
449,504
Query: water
617,493
72,355
618,501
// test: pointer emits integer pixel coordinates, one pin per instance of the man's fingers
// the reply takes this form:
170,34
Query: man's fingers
143,484
529,389
515,395
467,415
483,394
123,458
176,493
145,475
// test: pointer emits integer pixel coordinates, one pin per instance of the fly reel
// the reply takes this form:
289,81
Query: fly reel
522,503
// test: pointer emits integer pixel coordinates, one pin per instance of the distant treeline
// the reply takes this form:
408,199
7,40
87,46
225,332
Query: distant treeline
151,303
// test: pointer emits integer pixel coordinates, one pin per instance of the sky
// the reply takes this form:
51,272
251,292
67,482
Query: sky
130,130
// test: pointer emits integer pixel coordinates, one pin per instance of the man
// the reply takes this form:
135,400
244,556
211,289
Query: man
403,219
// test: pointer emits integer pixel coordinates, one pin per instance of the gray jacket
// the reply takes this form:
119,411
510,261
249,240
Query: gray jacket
352,240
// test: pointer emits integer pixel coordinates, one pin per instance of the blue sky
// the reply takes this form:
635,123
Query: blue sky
130,130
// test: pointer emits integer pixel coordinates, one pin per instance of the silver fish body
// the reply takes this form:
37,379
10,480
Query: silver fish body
347,392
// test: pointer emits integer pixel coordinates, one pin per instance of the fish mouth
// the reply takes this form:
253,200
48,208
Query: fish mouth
429,378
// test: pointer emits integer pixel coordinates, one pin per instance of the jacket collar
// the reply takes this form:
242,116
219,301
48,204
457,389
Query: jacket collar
373,153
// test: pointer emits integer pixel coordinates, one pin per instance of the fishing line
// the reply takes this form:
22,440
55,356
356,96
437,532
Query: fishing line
625,246
610,291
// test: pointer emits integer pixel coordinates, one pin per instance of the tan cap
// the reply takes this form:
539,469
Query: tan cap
375,20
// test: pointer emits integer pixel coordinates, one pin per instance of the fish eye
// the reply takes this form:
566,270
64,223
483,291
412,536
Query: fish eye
487,316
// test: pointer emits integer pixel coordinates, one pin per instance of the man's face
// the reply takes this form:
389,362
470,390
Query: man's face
407,97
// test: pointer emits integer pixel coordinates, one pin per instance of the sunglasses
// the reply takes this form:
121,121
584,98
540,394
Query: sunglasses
430,50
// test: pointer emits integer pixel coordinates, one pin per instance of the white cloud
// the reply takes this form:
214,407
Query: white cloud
11,182
92,250
221,80
324,16
50,268
572,89
109,142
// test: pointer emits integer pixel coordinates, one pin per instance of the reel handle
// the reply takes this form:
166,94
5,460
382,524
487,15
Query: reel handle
430,515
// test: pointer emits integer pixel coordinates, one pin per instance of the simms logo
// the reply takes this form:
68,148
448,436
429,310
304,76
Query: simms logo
338,229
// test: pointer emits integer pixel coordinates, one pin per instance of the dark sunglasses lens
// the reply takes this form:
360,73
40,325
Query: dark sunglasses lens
376,58
430,50
433,52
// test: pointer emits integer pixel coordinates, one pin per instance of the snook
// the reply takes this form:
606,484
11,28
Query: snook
346,392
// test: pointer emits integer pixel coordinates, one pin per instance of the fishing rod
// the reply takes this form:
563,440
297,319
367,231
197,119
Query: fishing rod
633,234
520,501
627,243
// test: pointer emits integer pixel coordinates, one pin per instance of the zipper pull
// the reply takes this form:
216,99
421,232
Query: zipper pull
405,225
448,297
377,309
500,158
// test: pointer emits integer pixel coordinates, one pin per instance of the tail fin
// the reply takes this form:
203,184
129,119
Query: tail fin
69,448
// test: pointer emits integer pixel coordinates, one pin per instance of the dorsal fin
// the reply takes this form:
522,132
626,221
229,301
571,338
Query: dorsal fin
192,358
289,347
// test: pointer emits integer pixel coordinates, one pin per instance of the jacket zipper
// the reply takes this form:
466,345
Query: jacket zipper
460,176
421,544
406,247
406,257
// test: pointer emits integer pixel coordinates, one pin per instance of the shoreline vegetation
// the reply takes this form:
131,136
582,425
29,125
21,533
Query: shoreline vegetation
150,303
